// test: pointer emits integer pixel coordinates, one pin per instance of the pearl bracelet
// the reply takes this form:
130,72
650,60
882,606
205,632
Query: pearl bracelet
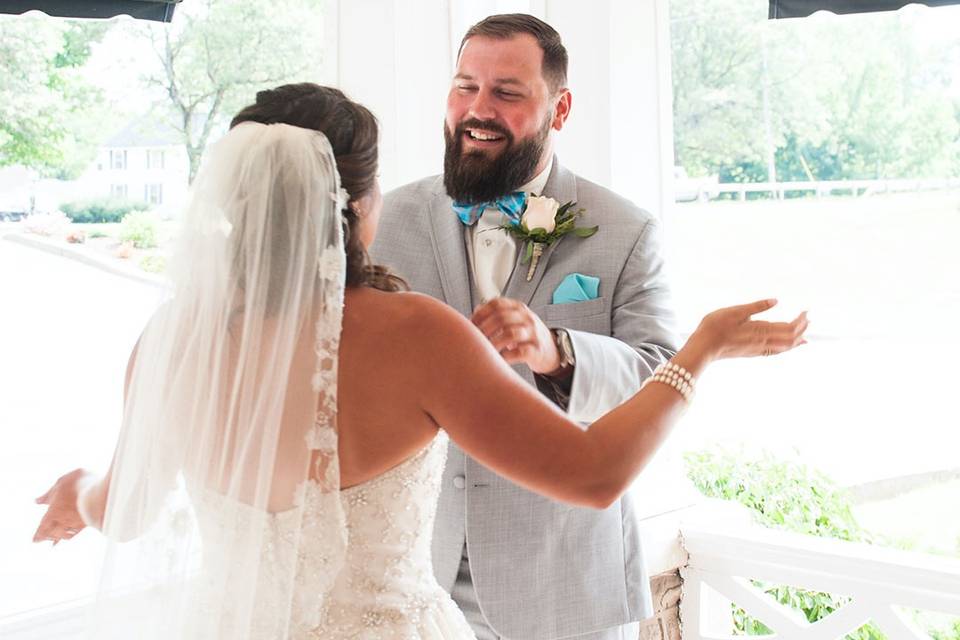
673,375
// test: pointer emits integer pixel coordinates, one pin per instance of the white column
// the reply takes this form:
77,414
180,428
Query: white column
620,130
394,57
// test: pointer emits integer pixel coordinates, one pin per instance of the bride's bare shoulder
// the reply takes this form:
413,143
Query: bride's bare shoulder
412,316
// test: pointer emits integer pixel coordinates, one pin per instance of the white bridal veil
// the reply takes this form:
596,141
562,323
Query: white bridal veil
227,459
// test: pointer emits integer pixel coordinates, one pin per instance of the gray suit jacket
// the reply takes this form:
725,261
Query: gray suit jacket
543,569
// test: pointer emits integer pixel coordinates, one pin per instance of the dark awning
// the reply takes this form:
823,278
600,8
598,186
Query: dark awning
803,8
161,10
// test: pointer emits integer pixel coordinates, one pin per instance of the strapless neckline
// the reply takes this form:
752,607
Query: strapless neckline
395,469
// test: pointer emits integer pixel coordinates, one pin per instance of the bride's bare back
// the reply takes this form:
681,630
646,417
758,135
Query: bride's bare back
381,421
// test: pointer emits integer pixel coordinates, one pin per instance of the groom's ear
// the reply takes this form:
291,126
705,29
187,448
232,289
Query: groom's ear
562,109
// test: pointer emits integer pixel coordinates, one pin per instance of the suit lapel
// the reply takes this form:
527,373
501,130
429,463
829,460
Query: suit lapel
446,236
562,187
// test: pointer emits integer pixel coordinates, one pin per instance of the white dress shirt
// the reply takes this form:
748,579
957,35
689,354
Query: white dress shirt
494,251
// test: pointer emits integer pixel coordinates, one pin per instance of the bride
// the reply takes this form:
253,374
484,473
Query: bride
287,409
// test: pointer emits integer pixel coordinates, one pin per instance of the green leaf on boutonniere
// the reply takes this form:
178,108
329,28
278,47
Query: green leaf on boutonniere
565,222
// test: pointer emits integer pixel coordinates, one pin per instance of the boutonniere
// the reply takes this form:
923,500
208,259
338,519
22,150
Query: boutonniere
543,221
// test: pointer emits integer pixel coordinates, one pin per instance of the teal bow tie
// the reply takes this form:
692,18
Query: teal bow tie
511,205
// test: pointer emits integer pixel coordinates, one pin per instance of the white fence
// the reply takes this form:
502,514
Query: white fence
709,190
878,581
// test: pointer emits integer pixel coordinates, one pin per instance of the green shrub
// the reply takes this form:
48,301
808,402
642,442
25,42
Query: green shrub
951,632
792,496
783,495
153,264
101,209
140,229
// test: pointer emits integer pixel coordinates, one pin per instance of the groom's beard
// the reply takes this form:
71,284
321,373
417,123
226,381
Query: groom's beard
476,177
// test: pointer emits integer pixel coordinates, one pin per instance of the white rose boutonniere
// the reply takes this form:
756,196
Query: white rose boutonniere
541,213
543,221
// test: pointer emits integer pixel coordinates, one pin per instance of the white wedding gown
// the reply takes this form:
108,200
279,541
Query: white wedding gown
385,590
226,520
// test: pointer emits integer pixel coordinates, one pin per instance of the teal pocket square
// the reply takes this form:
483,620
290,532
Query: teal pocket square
577,287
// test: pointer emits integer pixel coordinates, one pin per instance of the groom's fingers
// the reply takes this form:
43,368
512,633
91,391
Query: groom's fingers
497,322
513,330
504,322
519,353
484,311
512,338
509,331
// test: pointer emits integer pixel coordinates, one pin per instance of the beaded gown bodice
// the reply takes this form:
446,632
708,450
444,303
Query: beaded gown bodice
385,589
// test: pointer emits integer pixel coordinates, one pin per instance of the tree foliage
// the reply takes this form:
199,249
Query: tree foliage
47,107
823,98
218,53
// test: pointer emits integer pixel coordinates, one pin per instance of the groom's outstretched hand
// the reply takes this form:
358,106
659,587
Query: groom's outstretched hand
518,334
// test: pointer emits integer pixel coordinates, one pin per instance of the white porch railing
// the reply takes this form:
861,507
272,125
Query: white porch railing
707,190
717,566
877,581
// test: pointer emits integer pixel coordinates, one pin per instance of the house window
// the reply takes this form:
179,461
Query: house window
118,158
118,190
153,193
155,158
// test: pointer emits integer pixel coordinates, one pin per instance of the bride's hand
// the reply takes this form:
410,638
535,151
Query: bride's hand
732,332
62,520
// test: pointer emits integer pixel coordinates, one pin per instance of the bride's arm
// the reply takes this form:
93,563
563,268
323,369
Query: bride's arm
92,499
506,425
77,499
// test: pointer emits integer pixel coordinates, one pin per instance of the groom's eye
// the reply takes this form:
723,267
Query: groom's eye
508,95
466,88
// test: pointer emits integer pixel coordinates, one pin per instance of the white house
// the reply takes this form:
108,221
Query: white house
144,161
147,161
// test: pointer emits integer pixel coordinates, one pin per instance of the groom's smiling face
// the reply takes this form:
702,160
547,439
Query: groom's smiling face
500,111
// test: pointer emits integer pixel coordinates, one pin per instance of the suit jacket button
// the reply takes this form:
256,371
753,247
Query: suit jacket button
459,482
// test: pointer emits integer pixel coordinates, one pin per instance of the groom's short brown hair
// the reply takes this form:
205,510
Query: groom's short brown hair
507,25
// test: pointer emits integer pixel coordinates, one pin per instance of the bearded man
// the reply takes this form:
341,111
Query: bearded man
585,319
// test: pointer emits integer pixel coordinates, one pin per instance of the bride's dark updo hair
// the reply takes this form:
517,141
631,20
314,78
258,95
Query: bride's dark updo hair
353,134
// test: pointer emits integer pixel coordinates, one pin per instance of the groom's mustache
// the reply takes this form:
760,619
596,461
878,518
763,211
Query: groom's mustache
487,125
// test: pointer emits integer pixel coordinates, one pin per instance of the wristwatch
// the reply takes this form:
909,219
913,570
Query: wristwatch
565,346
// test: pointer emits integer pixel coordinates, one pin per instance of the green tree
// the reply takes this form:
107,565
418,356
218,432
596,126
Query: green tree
218,53
812,99
732,71
890,113
47,107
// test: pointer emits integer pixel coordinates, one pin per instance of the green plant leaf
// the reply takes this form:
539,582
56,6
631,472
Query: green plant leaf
527,253
585,232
